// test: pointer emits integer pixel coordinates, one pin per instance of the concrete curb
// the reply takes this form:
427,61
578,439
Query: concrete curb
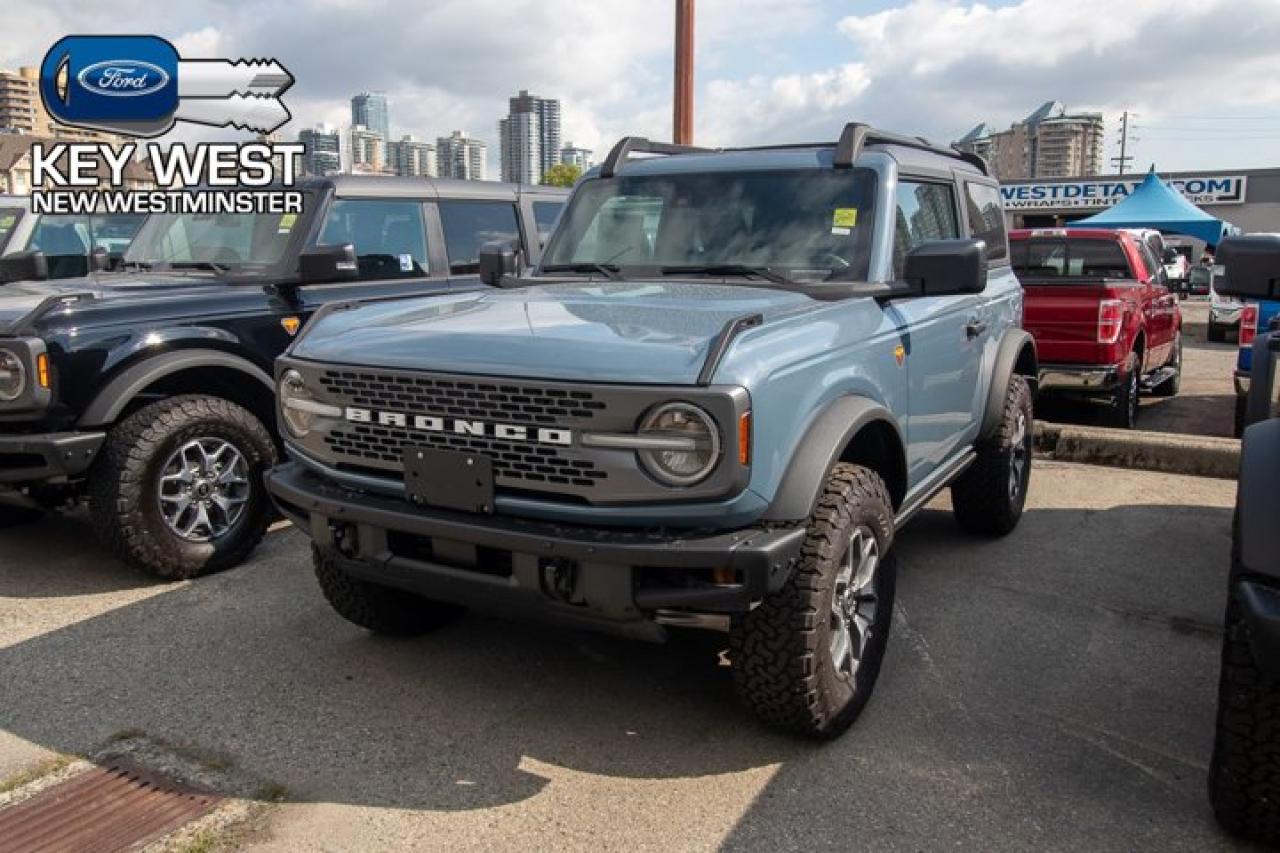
1198,456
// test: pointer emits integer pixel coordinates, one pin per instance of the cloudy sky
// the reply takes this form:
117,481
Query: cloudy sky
1203,76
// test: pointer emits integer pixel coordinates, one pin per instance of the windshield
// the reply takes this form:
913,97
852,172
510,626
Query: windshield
230,242
9,217
805,224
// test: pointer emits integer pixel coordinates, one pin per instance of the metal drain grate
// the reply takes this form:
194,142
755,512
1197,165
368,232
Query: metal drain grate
114,808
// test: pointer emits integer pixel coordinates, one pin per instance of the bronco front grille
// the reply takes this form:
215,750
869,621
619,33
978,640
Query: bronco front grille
517,464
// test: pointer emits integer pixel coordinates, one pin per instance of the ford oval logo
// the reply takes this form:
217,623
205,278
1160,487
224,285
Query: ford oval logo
123,78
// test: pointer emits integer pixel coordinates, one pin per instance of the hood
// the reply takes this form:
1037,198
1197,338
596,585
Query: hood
631,331
19,298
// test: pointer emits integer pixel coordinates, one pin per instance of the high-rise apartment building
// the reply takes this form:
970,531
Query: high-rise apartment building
574,156
369,109
22,111
323,154
529,137
459,155
368,150
1049,143
410,157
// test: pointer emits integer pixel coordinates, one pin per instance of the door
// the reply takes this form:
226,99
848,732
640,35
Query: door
1160,309
943,335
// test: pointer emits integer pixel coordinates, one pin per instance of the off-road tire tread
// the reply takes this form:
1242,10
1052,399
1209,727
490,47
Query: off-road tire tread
381,609
1244,774
773,648
116,485
980,496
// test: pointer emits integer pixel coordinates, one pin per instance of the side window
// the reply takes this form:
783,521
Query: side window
924,212
986,219
468,225
65,243
114,232
389,236
545,216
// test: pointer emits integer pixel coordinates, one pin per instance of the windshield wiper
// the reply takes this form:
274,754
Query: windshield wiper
609,271
730,269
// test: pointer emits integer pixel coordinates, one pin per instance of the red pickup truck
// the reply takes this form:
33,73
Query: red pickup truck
1104,322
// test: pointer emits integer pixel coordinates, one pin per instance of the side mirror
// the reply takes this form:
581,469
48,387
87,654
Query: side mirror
498,259
947,267
328,263
1251,267
99,259
24,266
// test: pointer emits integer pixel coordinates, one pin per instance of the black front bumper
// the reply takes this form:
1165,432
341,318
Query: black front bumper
500,562
47,457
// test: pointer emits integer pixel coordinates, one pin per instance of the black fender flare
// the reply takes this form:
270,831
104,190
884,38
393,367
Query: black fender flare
1015,345
818,451
113,397
1259,501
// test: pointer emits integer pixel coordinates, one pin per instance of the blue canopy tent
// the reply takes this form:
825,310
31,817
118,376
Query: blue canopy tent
1155,204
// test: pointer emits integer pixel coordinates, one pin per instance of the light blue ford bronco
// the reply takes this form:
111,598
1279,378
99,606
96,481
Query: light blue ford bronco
732,377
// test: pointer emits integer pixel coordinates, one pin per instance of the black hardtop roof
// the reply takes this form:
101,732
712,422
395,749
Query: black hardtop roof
388,186
854,139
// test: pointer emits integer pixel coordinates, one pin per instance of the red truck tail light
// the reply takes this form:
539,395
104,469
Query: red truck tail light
1248,324
1110,320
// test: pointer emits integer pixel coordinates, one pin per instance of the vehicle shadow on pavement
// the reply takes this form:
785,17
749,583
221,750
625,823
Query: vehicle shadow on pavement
56,556
1054,690
1060,682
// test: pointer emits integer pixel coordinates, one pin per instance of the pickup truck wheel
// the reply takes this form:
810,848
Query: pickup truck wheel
381,609
177,491
1244,774
1123,409
1169,387
988,498
806,659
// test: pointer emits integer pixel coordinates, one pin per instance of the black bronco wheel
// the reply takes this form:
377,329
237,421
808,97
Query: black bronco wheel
806,659
988,498
177,490
381,609
1122,411
1169,387
1244,774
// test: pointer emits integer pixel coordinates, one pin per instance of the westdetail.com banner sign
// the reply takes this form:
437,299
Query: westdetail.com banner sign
1075,195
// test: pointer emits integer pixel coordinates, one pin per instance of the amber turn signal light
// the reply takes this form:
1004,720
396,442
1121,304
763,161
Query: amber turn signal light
42,369
744,439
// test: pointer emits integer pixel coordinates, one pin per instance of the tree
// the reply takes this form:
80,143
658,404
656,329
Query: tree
562,175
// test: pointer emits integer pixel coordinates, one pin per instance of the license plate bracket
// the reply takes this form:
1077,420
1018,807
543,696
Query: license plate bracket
448,479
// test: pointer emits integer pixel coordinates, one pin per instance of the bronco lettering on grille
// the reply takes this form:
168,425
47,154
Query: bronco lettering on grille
461,426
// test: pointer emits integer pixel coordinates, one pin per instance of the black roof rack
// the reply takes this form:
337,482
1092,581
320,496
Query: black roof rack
857,135
628,145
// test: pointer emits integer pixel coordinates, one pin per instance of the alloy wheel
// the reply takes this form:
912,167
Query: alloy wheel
854,601
204,489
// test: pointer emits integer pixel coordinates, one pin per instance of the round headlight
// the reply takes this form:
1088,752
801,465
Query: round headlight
293,391
13,376
694,444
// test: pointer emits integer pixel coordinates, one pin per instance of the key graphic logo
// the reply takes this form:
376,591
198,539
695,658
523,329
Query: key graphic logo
139,86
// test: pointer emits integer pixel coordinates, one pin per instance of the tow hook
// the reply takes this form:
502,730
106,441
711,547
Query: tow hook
559,578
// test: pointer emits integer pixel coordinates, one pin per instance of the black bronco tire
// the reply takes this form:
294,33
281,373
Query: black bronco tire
381,609
1122,411
1244,774
177,490
988,498
1170,387
1216,333
806,659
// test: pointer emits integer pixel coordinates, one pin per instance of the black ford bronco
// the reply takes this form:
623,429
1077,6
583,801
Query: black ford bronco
149,390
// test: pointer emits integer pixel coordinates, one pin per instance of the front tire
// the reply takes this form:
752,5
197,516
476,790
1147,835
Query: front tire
1244,774
177,491
806,659
989,497
381,609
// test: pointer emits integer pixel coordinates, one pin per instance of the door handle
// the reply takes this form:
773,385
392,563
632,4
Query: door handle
974,327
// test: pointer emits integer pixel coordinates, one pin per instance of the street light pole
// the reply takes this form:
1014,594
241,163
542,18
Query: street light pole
683,119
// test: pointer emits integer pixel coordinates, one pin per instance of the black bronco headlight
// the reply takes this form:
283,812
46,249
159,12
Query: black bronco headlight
13,376
298,406
26,377
683,443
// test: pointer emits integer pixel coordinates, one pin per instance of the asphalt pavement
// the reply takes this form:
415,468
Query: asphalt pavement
1051,690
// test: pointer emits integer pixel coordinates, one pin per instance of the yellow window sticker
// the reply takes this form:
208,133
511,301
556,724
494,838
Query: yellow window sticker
844,217
7,221
286,223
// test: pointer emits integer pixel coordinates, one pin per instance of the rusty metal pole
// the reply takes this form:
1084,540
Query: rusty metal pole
683,122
